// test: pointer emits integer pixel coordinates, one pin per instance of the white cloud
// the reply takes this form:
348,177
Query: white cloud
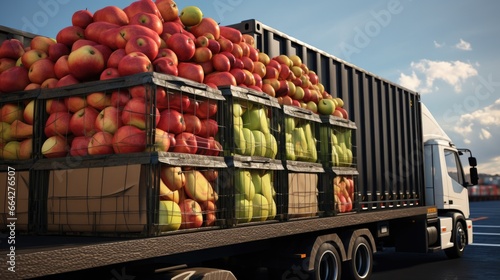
438,45
485,134
454,73
463,45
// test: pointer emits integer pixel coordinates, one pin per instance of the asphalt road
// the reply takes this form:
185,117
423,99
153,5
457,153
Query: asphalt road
481,259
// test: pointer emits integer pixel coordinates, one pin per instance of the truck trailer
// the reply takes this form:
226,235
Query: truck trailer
410,189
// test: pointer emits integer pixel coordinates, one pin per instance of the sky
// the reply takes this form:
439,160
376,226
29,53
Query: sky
446,50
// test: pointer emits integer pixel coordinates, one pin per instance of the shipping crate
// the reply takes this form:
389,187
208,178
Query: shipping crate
337,137
254,192
106,198
251,123
133,114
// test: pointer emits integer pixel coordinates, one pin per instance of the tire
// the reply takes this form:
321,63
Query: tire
360,265
327,263
459,242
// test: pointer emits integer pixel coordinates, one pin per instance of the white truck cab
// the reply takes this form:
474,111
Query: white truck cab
446,185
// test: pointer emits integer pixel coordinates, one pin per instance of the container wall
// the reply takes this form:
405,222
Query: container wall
388,135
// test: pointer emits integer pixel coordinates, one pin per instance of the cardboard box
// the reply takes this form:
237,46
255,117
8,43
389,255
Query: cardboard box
97,200
21,198
303,194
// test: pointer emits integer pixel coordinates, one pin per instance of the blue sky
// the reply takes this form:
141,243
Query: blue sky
446,50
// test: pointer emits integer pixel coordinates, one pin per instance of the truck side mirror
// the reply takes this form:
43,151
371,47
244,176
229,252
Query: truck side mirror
472,161
474,178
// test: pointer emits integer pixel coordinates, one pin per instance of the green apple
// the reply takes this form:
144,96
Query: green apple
249,142
260,143
263,184
191,16
237,110
11,150
170,217
256,119
300,143
243,183
272,210
260,206
311,143
239,140
271,146
243,209
238,121
289,124
339,101
326,106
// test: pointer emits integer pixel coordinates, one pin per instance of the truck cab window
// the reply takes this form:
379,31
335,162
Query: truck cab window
454,166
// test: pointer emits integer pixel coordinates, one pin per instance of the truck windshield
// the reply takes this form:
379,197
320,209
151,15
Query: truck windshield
454,166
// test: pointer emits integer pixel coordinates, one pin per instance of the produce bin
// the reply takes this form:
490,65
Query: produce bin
336,137
142,112
132,198
254,192
251,123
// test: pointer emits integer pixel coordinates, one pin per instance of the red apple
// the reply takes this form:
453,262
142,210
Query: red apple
57,124
115,58
165,65
239,75
55,105
129,31
133,63
119,98
174,100
148,20
232,59
67,81
57,50
29,112
225,44
171,121
82,42
191,71
221,63
193,123
79,146
220,79
143,44
41,43
135,113
129,139
55,146
109,73
99,100
14,79
31,56
41,70
82,18
61,67
108,120
209,128
50,83
105,51
96,31
237,51
101,143
192,214
111,14
168,9
202,54
171,27
206,109
231,33
183,46
86,63
69,35
6,63
82,123
11,48
185,142
214,46
207,25
142,6
166,52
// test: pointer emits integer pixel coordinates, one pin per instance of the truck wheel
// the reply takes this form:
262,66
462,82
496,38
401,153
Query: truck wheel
459,242
361,263
327,264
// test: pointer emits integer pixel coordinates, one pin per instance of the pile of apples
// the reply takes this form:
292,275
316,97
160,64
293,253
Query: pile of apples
300,140
251,130
187,197
254,195
16,130
343,193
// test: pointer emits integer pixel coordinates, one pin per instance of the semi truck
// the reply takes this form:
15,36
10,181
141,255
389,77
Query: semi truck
410,191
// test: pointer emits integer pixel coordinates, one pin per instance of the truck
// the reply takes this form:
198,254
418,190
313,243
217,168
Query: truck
410,190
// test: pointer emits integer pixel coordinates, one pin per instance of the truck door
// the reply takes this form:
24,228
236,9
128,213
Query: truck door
454,189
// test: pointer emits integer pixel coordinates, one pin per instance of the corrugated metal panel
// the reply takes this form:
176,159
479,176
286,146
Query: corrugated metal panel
389,134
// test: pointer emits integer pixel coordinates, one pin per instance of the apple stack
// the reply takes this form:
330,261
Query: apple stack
188,197
344,191
16,130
